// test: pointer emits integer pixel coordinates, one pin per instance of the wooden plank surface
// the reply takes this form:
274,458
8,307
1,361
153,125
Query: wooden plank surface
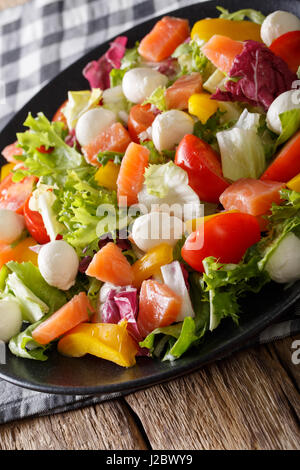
248,401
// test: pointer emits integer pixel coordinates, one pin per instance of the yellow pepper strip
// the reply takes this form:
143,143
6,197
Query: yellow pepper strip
6,169
294,183
150,263
107,176
237,30
202,106
20,252
106,340
193,224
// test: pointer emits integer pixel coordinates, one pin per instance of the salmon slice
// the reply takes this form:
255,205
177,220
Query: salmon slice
10,151
251,196
159,306
161,42
115,139
222,51
67,317
110,265
177,95
131,175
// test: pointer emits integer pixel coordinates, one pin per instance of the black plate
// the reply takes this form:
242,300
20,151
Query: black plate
90,375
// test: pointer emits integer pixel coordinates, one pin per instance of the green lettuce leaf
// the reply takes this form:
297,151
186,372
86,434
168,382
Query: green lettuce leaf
79,102
131,58
157,157
107,156
240,15
159,178
224,285
157,98
290,121
213,125
50,167
23,345
33,280
191,59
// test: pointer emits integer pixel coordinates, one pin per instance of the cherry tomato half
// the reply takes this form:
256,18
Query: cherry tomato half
140,118
35,225
14,195
287,47
42,149
226,237
203,167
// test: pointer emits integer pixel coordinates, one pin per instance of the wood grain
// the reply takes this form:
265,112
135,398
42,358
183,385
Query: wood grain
245,402
105,426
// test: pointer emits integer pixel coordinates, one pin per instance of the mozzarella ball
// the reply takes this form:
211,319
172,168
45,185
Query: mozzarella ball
278,23
139,83
92,123
10,319
284,102
155,228
284,264
169,128
11,226
58,264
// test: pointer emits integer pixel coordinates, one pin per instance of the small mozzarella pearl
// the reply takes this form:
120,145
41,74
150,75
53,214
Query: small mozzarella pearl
284,102
139,83
170,127
11,226
278,23
92,123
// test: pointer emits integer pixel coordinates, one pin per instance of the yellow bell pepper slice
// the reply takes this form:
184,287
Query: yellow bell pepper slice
20,252
202,106
193,224
237,30
106,340
294,183
107,176
150,263
6,169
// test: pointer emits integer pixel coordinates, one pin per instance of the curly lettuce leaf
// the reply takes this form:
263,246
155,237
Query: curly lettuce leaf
50,167
157,98
79,102
191,58
253,15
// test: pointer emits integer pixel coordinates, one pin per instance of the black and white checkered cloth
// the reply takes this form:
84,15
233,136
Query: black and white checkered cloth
38,40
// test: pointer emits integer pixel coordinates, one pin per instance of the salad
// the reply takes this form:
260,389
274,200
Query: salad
136,220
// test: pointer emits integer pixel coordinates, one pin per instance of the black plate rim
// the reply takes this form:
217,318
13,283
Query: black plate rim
231,345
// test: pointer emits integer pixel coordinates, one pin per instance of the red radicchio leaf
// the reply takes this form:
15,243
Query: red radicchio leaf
262,77
97,72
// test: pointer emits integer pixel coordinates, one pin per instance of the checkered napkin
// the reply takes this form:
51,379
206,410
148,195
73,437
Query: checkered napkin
38,40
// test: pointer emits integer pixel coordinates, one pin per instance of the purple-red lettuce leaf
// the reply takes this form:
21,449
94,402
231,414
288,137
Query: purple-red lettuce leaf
97,72
261,77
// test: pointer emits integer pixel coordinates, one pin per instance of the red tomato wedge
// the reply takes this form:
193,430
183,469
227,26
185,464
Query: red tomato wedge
222,51
59,115
287,163
131,175
67,317
226,237
159,306
35,225
110,265
10,151
161,42
13,196
115,138
203,167
251,196
140,118
287,47
177,95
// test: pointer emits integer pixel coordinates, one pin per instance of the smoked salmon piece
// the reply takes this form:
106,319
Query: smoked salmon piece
10,151
67,317
131,175
222,51
159,306
115,139
251,196
164,38
110,265
177,95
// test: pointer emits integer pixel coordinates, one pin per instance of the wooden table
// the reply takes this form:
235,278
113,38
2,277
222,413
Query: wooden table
248,401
